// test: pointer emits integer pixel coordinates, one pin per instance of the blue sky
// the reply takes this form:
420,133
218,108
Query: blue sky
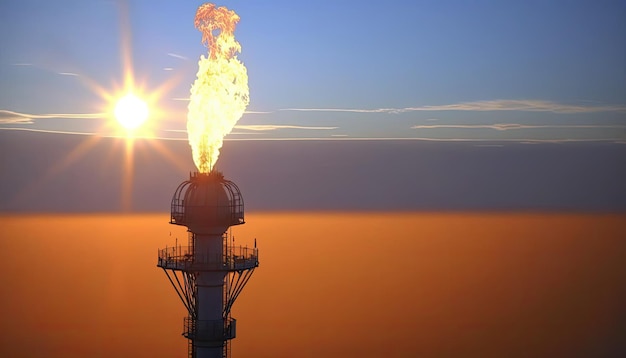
430,70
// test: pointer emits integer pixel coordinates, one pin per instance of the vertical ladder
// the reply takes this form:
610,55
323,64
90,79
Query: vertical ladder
190,243
226,352
191,238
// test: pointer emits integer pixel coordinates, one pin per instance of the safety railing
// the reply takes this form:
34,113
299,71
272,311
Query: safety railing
185,259
207,199
185,214
210,330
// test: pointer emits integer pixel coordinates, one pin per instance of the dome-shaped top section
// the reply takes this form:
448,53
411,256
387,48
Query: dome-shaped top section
207,201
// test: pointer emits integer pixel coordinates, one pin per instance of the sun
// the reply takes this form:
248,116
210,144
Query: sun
131,111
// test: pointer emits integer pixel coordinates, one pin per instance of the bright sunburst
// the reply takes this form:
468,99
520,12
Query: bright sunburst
131,111
136,112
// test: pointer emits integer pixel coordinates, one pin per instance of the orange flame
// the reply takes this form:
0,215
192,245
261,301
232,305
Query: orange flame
220,94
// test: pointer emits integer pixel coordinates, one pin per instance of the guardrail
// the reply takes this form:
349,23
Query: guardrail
210,330
185,214
185,259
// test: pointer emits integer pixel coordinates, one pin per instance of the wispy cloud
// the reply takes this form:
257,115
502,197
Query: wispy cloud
69,74
427,139
175,55
271,127
522,105
256,112
102,135
483,106
244,133
46,131
11,117
168,69
513,126
351,110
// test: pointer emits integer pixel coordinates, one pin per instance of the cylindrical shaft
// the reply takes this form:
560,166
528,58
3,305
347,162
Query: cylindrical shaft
209,249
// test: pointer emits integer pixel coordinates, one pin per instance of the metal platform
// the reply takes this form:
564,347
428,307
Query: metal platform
182,258
214,330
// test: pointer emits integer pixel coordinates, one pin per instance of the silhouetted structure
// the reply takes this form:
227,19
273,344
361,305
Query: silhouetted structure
210,272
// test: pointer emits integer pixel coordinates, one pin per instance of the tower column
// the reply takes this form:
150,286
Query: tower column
209,342
208,275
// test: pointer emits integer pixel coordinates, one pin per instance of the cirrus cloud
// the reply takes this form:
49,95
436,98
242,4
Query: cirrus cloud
513,126
271,127
483,106
11,117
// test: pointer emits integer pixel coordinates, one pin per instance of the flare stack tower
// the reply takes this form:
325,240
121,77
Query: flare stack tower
210,272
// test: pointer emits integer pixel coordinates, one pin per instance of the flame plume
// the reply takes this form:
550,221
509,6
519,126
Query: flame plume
219,96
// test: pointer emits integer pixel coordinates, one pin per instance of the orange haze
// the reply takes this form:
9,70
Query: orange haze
331,284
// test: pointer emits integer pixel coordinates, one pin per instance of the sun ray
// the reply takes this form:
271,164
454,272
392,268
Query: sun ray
126,45
30,190
128,176
109,94
169,156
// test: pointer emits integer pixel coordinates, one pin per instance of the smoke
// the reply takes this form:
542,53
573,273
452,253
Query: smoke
219,95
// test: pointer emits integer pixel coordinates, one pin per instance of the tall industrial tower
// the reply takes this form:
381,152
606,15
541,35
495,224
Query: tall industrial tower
210,272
